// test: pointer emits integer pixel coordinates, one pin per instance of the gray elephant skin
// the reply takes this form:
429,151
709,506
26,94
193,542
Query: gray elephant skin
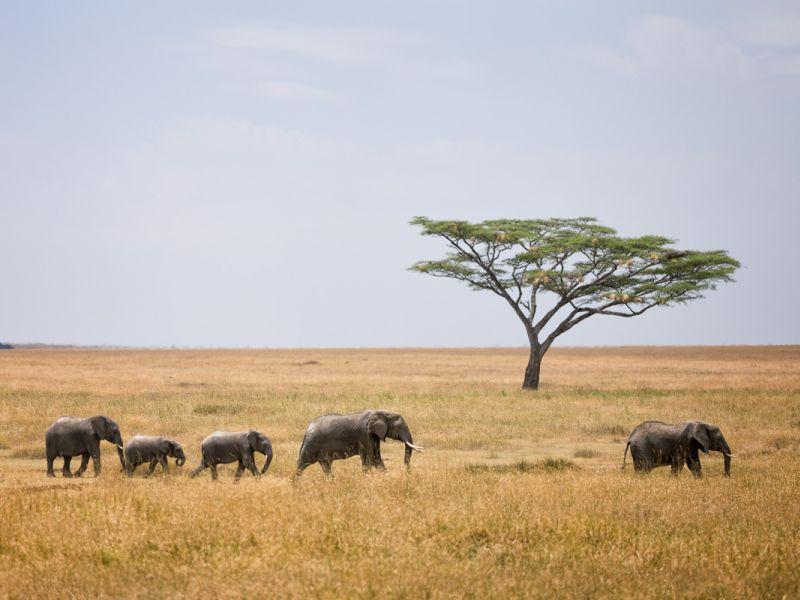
68,437
154,450
656,444
223,447
334,436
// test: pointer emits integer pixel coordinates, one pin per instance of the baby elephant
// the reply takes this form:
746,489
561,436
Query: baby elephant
152,449
223,447
656,444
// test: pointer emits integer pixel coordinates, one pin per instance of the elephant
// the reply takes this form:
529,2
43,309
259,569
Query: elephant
656,444
334,436
68,437
153,449
223,447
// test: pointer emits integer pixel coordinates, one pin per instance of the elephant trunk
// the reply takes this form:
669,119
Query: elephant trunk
726,452
121,455
120,450
410,447
267,462
407,457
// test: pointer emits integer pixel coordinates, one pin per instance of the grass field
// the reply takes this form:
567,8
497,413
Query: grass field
519,494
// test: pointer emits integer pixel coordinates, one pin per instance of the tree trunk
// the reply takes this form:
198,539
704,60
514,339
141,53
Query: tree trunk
531,381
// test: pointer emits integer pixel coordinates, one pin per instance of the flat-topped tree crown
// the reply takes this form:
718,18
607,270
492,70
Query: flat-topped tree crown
587,267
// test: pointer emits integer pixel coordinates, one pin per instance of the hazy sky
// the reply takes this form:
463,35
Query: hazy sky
242,173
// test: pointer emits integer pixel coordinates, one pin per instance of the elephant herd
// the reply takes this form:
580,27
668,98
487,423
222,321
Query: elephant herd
327,438
335,436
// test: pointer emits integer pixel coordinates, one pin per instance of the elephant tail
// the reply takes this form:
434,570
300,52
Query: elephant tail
625,456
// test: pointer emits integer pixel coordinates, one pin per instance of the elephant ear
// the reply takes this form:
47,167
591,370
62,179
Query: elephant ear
700,435
165,446
376,425
99,426
252,439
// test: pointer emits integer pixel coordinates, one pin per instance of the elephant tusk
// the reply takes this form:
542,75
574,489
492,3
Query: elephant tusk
729,455
120,447
417,448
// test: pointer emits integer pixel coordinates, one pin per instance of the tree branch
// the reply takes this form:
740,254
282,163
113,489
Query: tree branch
490,273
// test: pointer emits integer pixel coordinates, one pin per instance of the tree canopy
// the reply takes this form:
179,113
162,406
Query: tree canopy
589,268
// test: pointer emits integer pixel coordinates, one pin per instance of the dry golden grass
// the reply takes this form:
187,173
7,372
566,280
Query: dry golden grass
519,494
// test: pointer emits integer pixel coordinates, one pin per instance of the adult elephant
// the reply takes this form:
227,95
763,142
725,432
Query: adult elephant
68,437
223,447
334,436
656,444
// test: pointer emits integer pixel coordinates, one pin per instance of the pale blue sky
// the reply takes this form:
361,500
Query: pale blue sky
242,173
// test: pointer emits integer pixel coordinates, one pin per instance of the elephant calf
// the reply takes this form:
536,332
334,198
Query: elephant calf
335,436
223,447
656,444
152,449
68,437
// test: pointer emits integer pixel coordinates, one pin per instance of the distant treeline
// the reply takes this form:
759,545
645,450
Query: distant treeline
5,346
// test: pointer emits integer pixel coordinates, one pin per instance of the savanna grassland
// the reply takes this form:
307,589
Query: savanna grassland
518,493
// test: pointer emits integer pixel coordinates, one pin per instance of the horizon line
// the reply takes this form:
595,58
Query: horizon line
56,346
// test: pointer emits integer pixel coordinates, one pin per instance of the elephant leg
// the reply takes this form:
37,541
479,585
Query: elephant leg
695,468
239,471
130,467
644,459
199,469
51,457
378,460
65,469
326,466
301,466
250,463
165,464
213,468
96,464
84,464
640,465
153,463
676,464
371,455
366,464
693,462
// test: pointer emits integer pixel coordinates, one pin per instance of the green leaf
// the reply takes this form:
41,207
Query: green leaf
587,266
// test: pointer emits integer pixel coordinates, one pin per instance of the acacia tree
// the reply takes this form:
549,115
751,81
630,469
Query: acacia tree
588,269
